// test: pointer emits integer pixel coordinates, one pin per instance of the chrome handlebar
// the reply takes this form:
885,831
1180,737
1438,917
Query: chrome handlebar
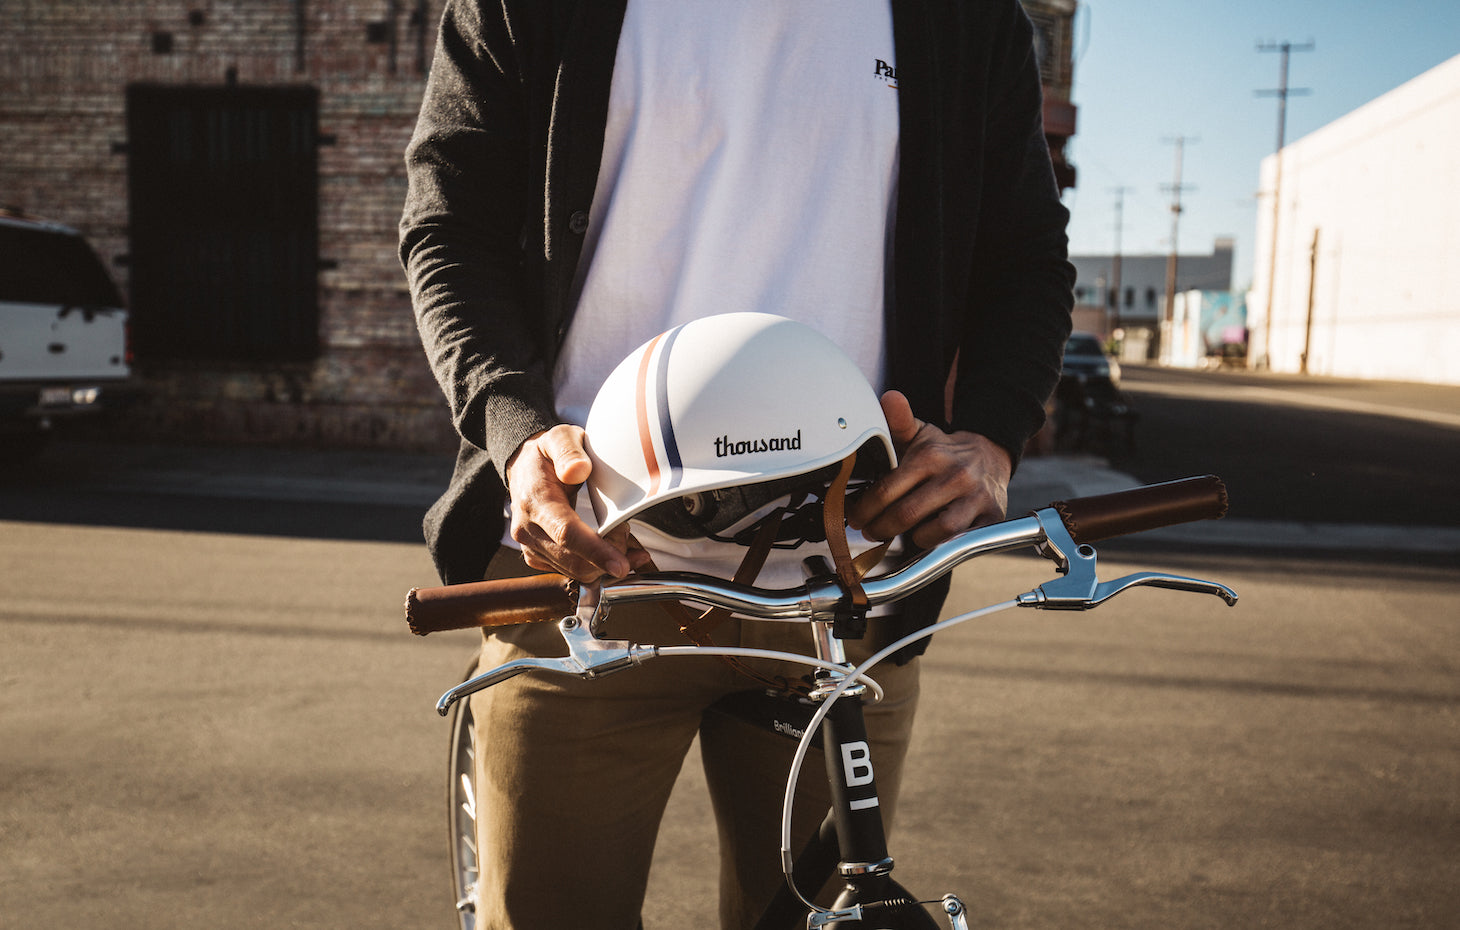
821,598
1078,588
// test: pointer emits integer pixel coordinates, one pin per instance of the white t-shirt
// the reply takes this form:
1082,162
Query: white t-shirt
749,163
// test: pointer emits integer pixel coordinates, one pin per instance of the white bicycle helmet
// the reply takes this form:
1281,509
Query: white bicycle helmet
706,422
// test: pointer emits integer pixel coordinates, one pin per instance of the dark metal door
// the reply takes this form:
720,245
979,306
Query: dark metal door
223,190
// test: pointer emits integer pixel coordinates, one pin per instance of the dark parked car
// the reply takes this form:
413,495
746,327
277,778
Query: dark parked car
1085,357
1092,413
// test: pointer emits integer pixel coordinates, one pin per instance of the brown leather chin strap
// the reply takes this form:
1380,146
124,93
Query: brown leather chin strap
750,566
849,573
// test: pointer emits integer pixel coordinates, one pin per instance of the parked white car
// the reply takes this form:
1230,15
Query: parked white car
63,332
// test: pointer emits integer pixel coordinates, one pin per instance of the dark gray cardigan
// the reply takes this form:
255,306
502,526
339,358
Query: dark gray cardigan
502,171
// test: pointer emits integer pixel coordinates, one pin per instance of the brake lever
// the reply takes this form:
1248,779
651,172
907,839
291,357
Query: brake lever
1105,590
1109,589
588,656
1078,587
499,674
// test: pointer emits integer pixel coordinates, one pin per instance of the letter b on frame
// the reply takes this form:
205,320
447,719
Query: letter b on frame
857,764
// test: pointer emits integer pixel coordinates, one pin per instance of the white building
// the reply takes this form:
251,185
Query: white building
1143,282
1368,242
1136,306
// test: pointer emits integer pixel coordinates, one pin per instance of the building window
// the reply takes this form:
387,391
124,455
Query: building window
224,217
1046,45
1130,297
1150,297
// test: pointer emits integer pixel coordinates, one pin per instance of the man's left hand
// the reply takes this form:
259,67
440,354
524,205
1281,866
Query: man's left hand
944,483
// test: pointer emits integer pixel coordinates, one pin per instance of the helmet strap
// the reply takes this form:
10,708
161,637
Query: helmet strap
698,628
849,573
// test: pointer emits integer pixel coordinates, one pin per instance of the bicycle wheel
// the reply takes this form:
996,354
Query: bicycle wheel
461,810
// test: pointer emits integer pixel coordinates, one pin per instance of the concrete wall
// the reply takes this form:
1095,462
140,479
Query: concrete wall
1379,192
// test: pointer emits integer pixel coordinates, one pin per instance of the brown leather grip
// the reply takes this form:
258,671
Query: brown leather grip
501,602
1091,519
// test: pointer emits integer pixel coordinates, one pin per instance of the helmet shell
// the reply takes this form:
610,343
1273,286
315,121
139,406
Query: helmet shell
723,401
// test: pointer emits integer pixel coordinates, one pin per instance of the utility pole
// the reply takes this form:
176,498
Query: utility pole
1312,288
1175,187
1282,93
1113,319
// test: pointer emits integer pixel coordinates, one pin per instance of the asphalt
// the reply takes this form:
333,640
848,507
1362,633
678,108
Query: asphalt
414,480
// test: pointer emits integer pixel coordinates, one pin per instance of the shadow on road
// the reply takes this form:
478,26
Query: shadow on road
262,492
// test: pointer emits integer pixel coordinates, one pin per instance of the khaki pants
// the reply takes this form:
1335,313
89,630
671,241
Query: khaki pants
573,776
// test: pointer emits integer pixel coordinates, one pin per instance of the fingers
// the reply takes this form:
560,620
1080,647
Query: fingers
931,496
620,538
944,484
901,423
544,521
555,538
563,446
870,510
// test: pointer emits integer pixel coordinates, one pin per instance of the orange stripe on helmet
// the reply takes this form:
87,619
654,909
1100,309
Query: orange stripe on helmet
646,438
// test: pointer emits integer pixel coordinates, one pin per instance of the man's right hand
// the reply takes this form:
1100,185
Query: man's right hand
543,477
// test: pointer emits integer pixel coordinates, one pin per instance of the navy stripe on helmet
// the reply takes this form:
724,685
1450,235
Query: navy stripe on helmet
666,423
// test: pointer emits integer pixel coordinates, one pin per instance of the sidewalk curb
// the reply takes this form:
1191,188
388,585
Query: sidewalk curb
416,480
1049,478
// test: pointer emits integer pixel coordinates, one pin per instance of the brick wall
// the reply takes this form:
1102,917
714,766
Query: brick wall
64,69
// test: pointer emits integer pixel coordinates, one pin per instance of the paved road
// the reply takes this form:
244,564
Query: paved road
1313,465
1317,450
234,730
212,715
216,729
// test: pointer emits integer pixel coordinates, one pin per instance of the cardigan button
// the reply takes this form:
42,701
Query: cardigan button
578,223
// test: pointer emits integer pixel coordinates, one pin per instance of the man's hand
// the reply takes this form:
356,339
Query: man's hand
542,480
944,483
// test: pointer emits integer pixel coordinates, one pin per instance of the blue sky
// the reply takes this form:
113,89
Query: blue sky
1148,71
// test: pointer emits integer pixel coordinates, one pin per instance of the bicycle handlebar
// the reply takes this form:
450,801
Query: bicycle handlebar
1091,519
503,602
549,597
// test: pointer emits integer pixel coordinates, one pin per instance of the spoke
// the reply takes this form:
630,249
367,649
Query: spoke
469,801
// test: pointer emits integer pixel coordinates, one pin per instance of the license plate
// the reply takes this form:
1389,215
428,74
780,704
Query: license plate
56,397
